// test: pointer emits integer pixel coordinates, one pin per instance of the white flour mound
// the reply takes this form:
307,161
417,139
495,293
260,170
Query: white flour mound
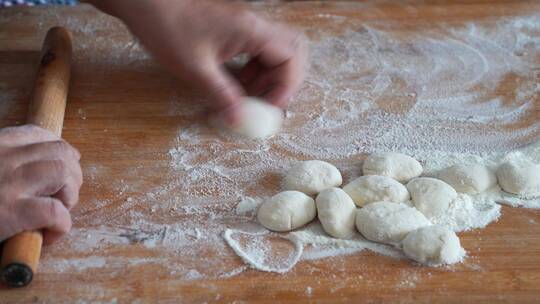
466,213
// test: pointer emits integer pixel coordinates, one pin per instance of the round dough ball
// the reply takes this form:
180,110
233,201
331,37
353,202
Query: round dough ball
431,196
433,245
468,179
520,176
374,188
286,211
260,119
337,212
388,223
395,165
312,177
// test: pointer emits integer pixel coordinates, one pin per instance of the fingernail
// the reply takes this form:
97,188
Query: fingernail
75,150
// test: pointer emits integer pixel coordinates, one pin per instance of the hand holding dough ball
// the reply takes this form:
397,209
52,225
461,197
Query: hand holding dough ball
521,177
336,212
389,223
374,188
433,245
468,179
431,196
312,176
395,165
286,211
259,119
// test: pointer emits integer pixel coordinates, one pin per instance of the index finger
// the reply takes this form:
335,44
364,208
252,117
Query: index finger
25,135
284,53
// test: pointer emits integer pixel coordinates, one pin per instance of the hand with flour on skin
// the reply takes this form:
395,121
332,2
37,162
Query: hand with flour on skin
40,178
194,38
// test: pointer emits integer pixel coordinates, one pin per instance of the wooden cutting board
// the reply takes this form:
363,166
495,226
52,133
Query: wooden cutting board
124,114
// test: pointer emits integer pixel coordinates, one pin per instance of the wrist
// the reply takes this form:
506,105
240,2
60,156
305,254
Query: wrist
110,7
133,9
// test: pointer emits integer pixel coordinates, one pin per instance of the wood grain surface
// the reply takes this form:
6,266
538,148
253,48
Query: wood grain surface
121,118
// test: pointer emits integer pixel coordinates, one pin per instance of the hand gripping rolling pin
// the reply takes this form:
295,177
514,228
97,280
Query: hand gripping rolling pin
21,252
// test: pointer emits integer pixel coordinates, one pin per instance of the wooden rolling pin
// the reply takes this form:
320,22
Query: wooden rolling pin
20,257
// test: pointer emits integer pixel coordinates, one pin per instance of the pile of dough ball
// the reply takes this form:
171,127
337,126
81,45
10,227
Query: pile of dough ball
391,203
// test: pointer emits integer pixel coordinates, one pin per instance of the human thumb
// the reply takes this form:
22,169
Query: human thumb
225,92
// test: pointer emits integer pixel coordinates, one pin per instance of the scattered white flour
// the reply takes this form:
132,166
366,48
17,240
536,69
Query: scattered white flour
445,94
193,275
64,265
407,280
247,205
259,254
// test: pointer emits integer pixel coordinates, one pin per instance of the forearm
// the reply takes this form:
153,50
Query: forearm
131,10
110,7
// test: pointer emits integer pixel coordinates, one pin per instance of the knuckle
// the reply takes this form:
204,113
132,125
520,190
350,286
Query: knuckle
37,214
245,17
74,199
11,154
79,176
300,41
17,174
60,168
59,146
249,23
10,166
297,43
69,149
67,227
11,222
51,211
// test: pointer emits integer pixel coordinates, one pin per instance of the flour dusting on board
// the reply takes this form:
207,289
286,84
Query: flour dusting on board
433,93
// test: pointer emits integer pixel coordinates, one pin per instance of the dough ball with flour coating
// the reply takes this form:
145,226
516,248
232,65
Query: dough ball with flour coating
387,222
395,165
521,177
433,245
374,188
470,179
336,212
259,120
431,196
286,211
312,176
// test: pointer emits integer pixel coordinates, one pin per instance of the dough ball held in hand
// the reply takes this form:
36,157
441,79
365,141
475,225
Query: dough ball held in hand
520,177
395,165
468,179
433,246
259,119
374,188
286,211
431,196
312,176
336,212
389,223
